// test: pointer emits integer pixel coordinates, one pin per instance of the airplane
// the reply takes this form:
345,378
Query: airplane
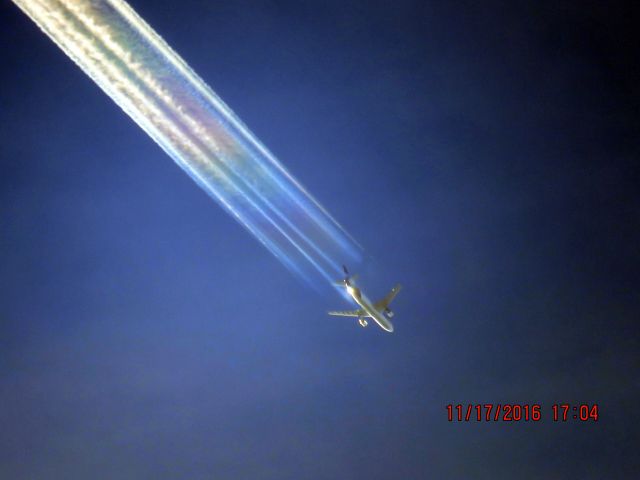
378,311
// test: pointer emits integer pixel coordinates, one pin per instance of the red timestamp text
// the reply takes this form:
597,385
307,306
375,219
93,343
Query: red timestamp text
583,412
494,412
517,412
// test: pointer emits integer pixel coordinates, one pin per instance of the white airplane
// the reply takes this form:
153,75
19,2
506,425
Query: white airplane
378,311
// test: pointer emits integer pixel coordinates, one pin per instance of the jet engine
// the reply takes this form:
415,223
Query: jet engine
388,313
363,323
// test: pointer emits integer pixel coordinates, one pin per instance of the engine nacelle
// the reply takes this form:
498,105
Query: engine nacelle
363,323
388,313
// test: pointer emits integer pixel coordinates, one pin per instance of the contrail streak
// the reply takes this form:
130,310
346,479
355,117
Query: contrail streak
156,88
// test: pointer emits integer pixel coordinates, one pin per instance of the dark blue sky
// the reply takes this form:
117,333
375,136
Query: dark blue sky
486,156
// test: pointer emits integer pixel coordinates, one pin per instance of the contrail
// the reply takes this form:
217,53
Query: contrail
155,87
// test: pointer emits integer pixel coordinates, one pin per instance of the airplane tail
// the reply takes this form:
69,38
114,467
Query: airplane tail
348,279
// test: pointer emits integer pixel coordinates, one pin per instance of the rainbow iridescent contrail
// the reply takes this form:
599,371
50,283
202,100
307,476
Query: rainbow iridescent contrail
154,86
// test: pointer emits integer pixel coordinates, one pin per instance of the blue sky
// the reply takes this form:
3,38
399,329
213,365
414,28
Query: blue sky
484,156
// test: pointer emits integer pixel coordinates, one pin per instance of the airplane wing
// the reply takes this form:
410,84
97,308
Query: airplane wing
349,313
384,303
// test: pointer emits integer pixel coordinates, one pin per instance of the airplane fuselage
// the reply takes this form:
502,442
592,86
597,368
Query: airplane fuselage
368,307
